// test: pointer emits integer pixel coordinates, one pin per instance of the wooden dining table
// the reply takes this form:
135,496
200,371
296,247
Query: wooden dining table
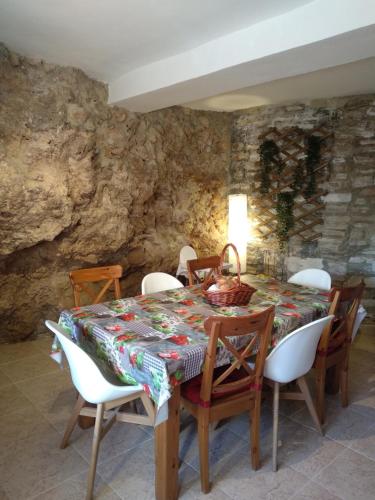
158,340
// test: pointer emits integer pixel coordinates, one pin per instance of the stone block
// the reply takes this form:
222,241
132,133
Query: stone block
295,264
338,198
362,182
370,281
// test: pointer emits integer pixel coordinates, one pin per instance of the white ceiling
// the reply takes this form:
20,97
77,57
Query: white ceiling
107,38
344,80
158,53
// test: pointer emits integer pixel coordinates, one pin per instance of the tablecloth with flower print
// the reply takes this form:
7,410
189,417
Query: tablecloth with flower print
158,340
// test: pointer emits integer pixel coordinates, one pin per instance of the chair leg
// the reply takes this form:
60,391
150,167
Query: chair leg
95,449
276,393
80,403
203,435
309,402
254,433
344,383
320,393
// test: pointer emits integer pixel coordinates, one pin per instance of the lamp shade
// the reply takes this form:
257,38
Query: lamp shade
238,228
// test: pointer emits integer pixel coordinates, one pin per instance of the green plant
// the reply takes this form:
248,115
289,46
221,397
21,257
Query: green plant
284,214
269,154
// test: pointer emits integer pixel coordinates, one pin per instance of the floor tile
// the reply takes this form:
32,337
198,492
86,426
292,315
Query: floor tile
121,438
239,424
363,403
30,459
223,444
74,488
14,352
30,367
313,491
4,379
240,482
45,387
131,475
191,487
350,476
347,426
58,409
366,338
44,343
366,444
20,425
11,399
302,449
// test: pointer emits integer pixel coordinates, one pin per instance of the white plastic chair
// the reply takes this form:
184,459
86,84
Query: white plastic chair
290,360
186,253
94,388
158,282
316,278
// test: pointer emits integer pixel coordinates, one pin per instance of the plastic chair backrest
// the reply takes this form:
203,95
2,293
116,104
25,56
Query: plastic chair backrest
316,278
294,355
187,253
80,278
86,376
158,282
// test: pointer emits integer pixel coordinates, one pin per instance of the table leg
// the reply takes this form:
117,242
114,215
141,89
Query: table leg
166,451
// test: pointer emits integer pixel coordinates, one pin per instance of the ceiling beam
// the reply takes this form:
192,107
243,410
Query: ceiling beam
318,35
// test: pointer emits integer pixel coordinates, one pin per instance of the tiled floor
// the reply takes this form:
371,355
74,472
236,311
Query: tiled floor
36,398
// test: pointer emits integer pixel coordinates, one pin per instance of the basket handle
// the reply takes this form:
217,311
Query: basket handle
237,258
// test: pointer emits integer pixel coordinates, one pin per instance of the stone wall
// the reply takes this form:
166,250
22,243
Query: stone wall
86,184
347,246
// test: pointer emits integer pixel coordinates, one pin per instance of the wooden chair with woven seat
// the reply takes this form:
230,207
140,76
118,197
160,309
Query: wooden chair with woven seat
334,346
80,279
233,389
210,265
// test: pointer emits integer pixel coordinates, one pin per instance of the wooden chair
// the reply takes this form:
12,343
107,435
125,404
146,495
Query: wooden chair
92,386
81,277
209,264
233,389
334,345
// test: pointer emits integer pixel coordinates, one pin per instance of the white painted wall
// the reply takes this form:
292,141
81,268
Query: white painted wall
318,35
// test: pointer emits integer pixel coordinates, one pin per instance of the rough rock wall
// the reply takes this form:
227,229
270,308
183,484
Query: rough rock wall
85,184
347,246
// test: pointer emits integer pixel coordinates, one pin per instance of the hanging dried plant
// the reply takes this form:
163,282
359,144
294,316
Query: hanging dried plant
269,155
312,160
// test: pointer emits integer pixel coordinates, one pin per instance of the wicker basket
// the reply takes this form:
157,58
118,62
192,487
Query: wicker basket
238,295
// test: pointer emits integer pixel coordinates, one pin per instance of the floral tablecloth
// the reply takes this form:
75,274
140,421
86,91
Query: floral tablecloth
158,340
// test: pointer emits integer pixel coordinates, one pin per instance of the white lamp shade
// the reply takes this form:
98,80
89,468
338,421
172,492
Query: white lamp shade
238,228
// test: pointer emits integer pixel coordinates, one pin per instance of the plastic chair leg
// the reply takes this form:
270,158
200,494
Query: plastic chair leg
276,393
95,450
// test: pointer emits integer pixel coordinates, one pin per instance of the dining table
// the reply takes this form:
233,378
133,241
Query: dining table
158,340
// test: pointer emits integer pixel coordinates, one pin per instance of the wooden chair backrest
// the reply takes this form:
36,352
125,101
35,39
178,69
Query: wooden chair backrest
220,329
80,278
211,263
344,306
